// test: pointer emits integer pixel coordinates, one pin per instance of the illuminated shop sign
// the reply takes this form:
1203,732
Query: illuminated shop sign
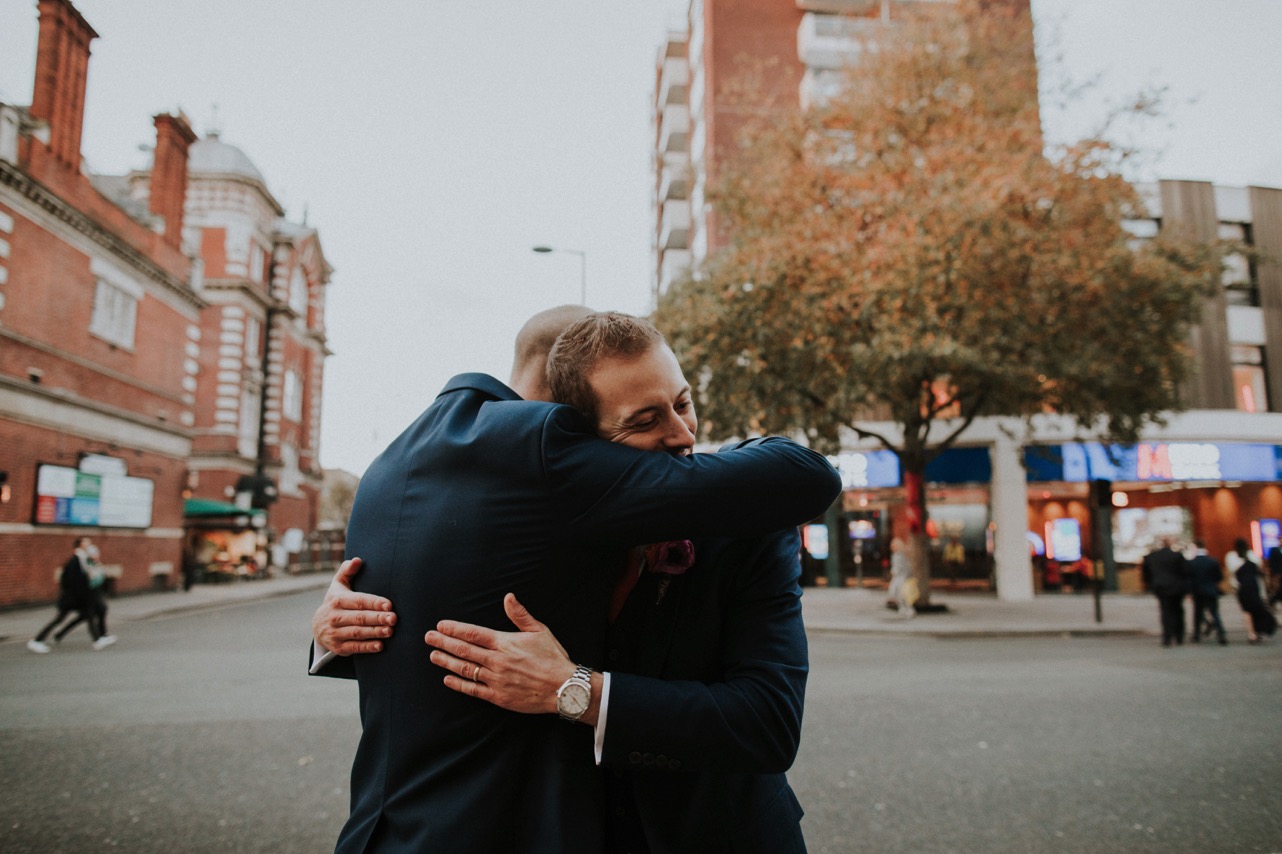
1064,540
1153,461
867,469
815,539
880,469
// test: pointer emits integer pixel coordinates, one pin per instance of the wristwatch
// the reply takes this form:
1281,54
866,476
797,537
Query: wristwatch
575,694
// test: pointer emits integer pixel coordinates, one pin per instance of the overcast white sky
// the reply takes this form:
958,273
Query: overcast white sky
434,142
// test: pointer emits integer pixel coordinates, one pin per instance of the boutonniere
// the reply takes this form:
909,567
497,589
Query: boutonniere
668,559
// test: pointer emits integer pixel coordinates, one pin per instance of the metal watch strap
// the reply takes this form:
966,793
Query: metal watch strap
581,676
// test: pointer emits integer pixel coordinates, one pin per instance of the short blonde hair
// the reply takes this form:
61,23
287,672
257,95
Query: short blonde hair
582,346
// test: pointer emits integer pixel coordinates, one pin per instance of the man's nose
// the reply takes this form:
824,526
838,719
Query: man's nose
678,435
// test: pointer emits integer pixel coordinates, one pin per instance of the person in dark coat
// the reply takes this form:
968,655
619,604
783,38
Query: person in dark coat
488,493
1165,572
1206,574
74,596
1275,574
698,715
1249,580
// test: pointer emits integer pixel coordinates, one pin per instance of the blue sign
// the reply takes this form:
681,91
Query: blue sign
960,465
880,469
1153,461
867,469
1270,535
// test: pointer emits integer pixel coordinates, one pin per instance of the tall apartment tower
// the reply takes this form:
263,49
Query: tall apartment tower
792,51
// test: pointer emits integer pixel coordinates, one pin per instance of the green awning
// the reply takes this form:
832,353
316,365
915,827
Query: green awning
201,507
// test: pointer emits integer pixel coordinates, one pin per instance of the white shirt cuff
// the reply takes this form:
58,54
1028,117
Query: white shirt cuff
321,657
599,729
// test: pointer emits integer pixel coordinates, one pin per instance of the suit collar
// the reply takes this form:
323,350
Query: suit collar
483,383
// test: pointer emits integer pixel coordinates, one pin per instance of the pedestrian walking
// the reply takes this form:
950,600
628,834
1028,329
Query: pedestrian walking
954,559
1165,573
98,594
1240,552
1205,575
903,587
1275,575
1248,578
74,596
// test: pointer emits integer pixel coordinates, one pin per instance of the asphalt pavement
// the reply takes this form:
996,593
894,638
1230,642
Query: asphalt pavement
826,610
996,727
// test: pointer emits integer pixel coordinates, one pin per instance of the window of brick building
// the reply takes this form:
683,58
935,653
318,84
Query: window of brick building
292,401
114,314
1249,388
298,292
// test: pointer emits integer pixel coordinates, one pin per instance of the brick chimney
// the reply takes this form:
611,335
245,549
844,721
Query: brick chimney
62,64
169,173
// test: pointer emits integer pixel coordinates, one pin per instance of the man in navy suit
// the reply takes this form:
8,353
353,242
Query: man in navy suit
707,663
487,494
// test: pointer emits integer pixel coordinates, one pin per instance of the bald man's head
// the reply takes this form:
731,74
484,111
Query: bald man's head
534,342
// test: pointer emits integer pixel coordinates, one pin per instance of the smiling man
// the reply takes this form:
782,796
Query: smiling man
699,713
487,494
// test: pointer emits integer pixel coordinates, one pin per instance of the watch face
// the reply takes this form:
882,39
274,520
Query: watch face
574,700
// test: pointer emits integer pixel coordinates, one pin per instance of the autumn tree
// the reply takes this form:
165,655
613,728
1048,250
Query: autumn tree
906,253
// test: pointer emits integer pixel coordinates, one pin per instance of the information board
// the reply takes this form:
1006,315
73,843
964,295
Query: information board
67,496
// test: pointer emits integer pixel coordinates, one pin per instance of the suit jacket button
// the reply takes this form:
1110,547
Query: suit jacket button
634,757
647,759
661,761
674,764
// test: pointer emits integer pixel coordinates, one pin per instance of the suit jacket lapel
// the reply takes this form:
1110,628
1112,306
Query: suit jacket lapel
646,628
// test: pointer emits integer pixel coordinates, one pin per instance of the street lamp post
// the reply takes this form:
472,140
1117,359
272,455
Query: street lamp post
583,268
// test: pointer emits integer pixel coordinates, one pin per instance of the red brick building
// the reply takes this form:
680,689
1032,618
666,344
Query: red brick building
161,339
96,311
263,345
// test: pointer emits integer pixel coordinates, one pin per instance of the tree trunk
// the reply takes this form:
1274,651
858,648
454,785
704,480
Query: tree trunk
918,543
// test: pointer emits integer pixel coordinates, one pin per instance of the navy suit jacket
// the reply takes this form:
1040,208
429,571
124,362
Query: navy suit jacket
1166,572
707,684
486,494
1205,574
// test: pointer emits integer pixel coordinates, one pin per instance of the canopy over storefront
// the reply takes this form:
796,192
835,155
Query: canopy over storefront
206,508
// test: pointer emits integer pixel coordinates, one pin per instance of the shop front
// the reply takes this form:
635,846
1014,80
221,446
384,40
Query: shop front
1216,492
872,511
223,542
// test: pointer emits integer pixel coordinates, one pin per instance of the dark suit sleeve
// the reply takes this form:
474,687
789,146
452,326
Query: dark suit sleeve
338,667
620,496
750,720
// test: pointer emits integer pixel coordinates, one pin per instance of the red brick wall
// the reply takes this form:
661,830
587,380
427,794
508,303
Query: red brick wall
289,512
50,298
213,251
765,31
28,557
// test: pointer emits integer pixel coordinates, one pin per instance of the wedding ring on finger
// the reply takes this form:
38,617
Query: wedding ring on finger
476,673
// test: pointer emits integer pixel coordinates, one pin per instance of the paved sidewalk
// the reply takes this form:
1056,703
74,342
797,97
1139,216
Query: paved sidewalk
981,614
845,610
21,624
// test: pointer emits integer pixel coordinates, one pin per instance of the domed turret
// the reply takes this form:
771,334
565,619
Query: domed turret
212,156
